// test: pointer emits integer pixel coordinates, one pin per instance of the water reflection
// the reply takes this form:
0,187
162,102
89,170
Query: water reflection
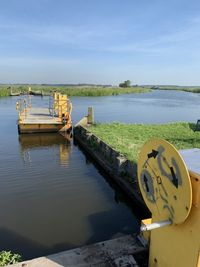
58,142
51,200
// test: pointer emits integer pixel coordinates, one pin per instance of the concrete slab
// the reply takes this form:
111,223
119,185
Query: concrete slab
115,252
192,159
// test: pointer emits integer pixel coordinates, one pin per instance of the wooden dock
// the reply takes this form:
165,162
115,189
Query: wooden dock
39,120
44,120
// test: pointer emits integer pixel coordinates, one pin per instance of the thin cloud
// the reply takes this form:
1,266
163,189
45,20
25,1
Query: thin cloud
163,42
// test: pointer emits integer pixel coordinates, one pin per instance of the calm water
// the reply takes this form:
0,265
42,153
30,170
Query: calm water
52,197
155,107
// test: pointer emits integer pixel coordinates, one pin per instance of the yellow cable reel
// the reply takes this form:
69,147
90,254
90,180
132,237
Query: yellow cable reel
164,181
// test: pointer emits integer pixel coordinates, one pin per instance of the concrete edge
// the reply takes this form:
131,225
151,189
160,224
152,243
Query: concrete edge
125,249
121,170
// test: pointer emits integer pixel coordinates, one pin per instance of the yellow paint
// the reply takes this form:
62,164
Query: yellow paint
61,112
22,108
62,108
165,199
64,153
198,264
177,244
35,127
195,189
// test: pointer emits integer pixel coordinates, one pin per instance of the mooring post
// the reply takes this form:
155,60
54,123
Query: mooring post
90,116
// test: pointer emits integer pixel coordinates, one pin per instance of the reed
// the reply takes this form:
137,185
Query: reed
92,91
192,89
74,91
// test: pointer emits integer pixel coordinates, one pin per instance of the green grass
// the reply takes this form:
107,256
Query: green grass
74,91
191,89
101,91
7,257
5,91
90,90
129,138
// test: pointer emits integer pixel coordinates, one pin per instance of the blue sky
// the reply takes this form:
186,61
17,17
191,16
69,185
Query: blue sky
100,41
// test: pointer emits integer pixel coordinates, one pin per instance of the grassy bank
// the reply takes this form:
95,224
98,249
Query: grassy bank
192,89
101,91
5,90
129,138
74,91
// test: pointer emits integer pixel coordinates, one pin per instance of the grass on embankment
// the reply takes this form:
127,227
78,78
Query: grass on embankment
74,91
193,89
129,138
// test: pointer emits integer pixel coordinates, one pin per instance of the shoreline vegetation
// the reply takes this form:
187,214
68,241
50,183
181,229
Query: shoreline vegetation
71,90
129,138
89,90
190,89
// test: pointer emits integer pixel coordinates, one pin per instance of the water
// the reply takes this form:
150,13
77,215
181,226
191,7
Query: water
155,107
52,197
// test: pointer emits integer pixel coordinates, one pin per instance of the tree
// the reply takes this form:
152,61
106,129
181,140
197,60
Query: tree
126,83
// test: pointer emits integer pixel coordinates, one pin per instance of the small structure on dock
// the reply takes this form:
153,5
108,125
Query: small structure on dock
55,118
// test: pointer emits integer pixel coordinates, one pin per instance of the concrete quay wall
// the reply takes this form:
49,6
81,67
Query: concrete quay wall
120,169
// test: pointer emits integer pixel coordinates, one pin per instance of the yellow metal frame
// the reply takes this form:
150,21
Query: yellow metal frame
22,106
61,108
179,243
164,181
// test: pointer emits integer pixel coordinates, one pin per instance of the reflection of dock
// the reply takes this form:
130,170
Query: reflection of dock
41,140
38,141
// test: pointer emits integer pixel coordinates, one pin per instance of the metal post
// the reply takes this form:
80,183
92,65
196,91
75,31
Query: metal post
155,225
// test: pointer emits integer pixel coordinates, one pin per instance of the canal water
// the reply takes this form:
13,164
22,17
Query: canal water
52,197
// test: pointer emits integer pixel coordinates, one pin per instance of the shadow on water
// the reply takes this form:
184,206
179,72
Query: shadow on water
11,240
107,219
120,195
32,141
104,224
26,247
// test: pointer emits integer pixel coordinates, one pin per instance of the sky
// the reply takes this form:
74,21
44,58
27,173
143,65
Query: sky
100,41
